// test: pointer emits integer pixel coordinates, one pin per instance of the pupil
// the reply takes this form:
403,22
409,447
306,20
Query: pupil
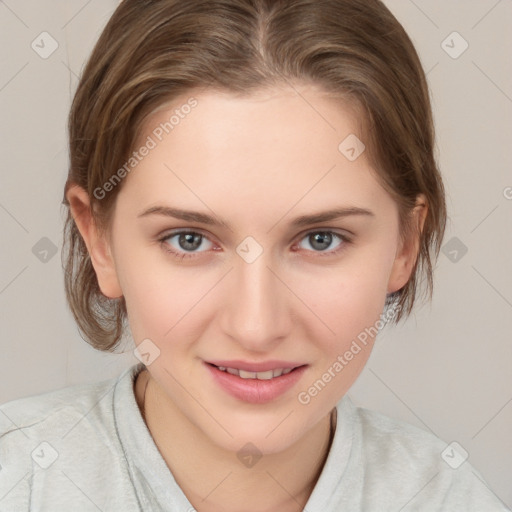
321,238
190,241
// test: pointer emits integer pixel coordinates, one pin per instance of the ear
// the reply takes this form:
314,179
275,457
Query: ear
97,244
408,250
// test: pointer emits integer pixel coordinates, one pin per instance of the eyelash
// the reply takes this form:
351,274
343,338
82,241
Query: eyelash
345,240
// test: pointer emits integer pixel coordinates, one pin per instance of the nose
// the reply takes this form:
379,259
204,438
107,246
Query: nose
256,310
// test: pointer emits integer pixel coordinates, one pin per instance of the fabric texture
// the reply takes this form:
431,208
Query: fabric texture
87,448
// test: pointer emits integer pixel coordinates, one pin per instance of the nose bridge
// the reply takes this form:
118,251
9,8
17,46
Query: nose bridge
255,311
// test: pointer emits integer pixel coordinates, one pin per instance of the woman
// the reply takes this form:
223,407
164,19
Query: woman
252,193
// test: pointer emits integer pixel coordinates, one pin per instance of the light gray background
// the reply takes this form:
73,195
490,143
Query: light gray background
447,369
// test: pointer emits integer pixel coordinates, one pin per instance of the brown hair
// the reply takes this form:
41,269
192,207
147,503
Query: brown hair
152,51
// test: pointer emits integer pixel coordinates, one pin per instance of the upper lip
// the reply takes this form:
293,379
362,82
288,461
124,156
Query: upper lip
256,367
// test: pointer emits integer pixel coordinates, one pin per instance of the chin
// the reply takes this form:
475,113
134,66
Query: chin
272,434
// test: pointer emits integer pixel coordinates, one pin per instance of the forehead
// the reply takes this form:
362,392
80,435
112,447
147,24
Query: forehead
267,108
278,145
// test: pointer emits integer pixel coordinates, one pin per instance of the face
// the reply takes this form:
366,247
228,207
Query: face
246,282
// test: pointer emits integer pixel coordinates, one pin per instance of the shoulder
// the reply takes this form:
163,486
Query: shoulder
62,411
58,408
413,466
66,428
397,440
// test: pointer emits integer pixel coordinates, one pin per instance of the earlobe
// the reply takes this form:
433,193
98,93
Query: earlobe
97,244
408,251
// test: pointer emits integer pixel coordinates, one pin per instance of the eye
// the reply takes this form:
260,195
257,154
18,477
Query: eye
187,244
184,244
321,241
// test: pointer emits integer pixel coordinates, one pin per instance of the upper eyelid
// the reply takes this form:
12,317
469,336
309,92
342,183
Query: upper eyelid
297,238
343,233
178,231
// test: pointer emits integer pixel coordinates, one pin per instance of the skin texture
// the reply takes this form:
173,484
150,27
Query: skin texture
257,163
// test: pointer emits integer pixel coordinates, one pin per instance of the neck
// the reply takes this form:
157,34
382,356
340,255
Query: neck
214,480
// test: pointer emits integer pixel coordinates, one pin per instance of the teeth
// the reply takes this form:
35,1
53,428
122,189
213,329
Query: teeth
269,374
247,375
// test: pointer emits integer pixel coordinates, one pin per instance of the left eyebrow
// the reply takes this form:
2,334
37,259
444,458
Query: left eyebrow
338,213
301,221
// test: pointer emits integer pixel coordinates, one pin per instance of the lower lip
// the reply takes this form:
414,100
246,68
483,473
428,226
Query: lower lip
254,390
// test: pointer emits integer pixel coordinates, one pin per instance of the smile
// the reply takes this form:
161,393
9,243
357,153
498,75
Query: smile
256,387
269,374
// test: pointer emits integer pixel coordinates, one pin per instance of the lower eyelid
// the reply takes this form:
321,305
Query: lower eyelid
344,240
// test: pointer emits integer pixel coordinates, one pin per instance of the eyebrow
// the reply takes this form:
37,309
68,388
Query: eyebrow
301,221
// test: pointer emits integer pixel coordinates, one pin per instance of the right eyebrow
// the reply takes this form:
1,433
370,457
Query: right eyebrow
187,215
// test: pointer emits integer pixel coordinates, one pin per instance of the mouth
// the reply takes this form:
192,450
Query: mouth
255,387
266,375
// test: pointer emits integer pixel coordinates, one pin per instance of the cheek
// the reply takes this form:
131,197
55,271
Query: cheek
351,301
351,296
166,303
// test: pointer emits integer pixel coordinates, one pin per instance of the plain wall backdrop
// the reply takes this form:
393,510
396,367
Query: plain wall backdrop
446,369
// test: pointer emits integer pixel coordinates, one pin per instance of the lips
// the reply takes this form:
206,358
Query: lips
253,389
257,366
